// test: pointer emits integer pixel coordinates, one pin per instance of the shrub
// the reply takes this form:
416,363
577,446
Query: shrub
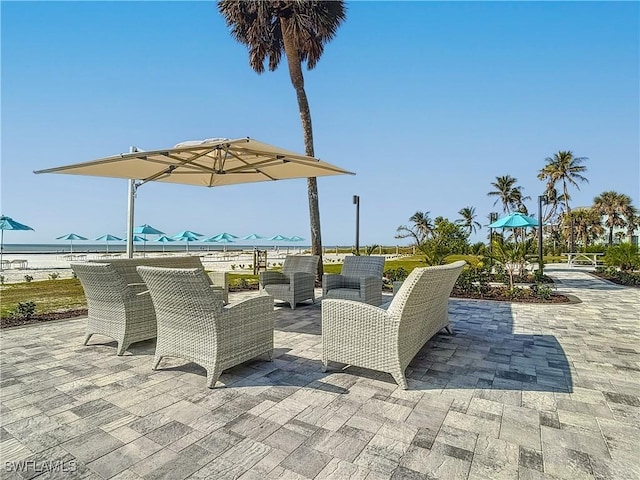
2,279
28,278
54,276
24,310
624,256
396,274
542,290
233,266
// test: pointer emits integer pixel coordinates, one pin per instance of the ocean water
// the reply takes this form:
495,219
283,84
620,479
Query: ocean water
84,247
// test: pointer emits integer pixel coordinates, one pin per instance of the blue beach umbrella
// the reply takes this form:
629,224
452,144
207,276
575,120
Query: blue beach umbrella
296,238
164,239
71,237
279,238
514,220
226,236
187,236
138,238
7,223
147,230
225,241
252,236
109,238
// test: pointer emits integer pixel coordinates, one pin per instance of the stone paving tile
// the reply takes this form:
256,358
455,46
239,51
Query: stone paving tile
520,391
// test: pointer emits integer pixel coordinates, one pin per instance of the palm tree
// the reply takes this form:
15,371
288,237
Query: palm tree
563,167
587,223
613,205
468,219
299,29
632,218
421,229
509,194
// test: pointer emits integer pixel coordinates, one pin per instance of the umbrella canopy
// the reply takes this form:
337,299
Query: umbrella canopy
8,223
147,230
71,237
279,238
514,220
225,236
164,239
210,163
109,238
296,238
252,236
187,233
138,238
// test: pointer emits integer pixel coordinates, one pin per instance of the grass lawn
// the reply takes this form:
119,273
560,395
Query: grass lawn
48,295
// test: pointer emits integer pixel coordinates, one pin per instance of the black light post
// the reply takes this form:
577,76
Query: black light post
541,198
356,202
493,216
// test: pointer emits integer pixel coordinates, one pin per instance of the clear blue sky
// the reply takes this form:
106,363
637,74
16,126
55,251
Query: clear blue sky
427,102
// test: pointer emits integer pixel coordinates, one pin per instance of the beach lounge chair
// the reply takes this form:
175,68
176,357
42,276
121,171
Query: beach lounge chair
359,280
194,325
295,283
387,339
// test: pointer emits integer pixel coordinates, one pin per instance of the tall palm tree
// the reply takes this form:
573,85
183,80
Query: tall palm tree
565,168
613,205
299,29
504,191
632,218
421,229
468,219
587,223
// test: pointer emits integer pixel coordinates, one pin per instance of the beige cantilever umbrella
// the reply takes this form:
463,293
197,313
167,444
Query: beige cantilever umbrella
209,163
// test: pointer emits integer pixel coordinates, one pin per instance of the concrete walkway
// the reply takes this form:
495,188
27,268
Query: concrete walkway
520,391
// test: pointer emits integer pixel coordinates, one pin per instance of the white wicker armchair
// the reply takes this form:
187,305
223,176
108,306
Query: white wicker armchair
295,283
387,339
359,280
194,325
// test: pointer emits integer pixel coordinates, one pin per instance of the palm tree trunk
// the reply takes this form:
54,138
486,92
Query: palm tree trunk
297,80
572,237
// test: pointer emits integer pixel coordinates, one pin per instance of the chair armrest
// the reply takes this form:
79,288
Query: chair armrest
331,281
367,283
302,278
267,278
219,279
250,310
137,288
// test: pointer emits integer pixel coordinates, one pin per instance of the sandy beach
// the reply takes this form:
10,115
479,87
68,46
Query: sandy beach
42,266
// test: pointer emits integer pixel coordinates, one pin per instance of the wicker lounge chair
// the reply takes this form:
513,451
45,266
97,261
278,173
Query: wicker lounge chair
116,308
360,280
387,339
295,283
194,325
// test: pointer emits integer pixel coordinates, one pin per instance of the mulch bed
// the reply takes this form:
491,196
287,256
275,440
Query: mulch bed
42,317
500,295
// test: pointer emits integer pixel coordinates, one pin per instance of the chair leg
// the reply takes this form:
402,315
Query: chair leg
270,355
212,377
156,362
449,329
122,347
400,380
87,337
325,365
293,305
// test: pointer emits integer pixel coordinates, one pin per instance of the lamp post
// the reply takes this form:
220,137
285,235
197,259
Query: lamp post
493,216
356,202
541,198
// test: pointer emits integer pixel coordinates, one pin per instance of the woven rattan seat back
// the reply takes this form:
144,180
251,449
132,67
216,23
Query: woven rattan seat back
300,263
358,267
127,266
115,308
194,325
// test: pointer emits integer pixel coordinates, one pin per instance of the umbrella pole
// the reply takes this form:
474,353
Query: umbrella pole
1,247
71,252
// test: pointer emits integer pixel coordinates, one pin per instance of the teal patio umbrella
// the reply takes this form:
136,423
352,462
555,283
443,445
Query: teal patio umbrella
146,230
138,238
225,235
252,236
164,239
71,237
7,223
514,220
109,238
187,236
